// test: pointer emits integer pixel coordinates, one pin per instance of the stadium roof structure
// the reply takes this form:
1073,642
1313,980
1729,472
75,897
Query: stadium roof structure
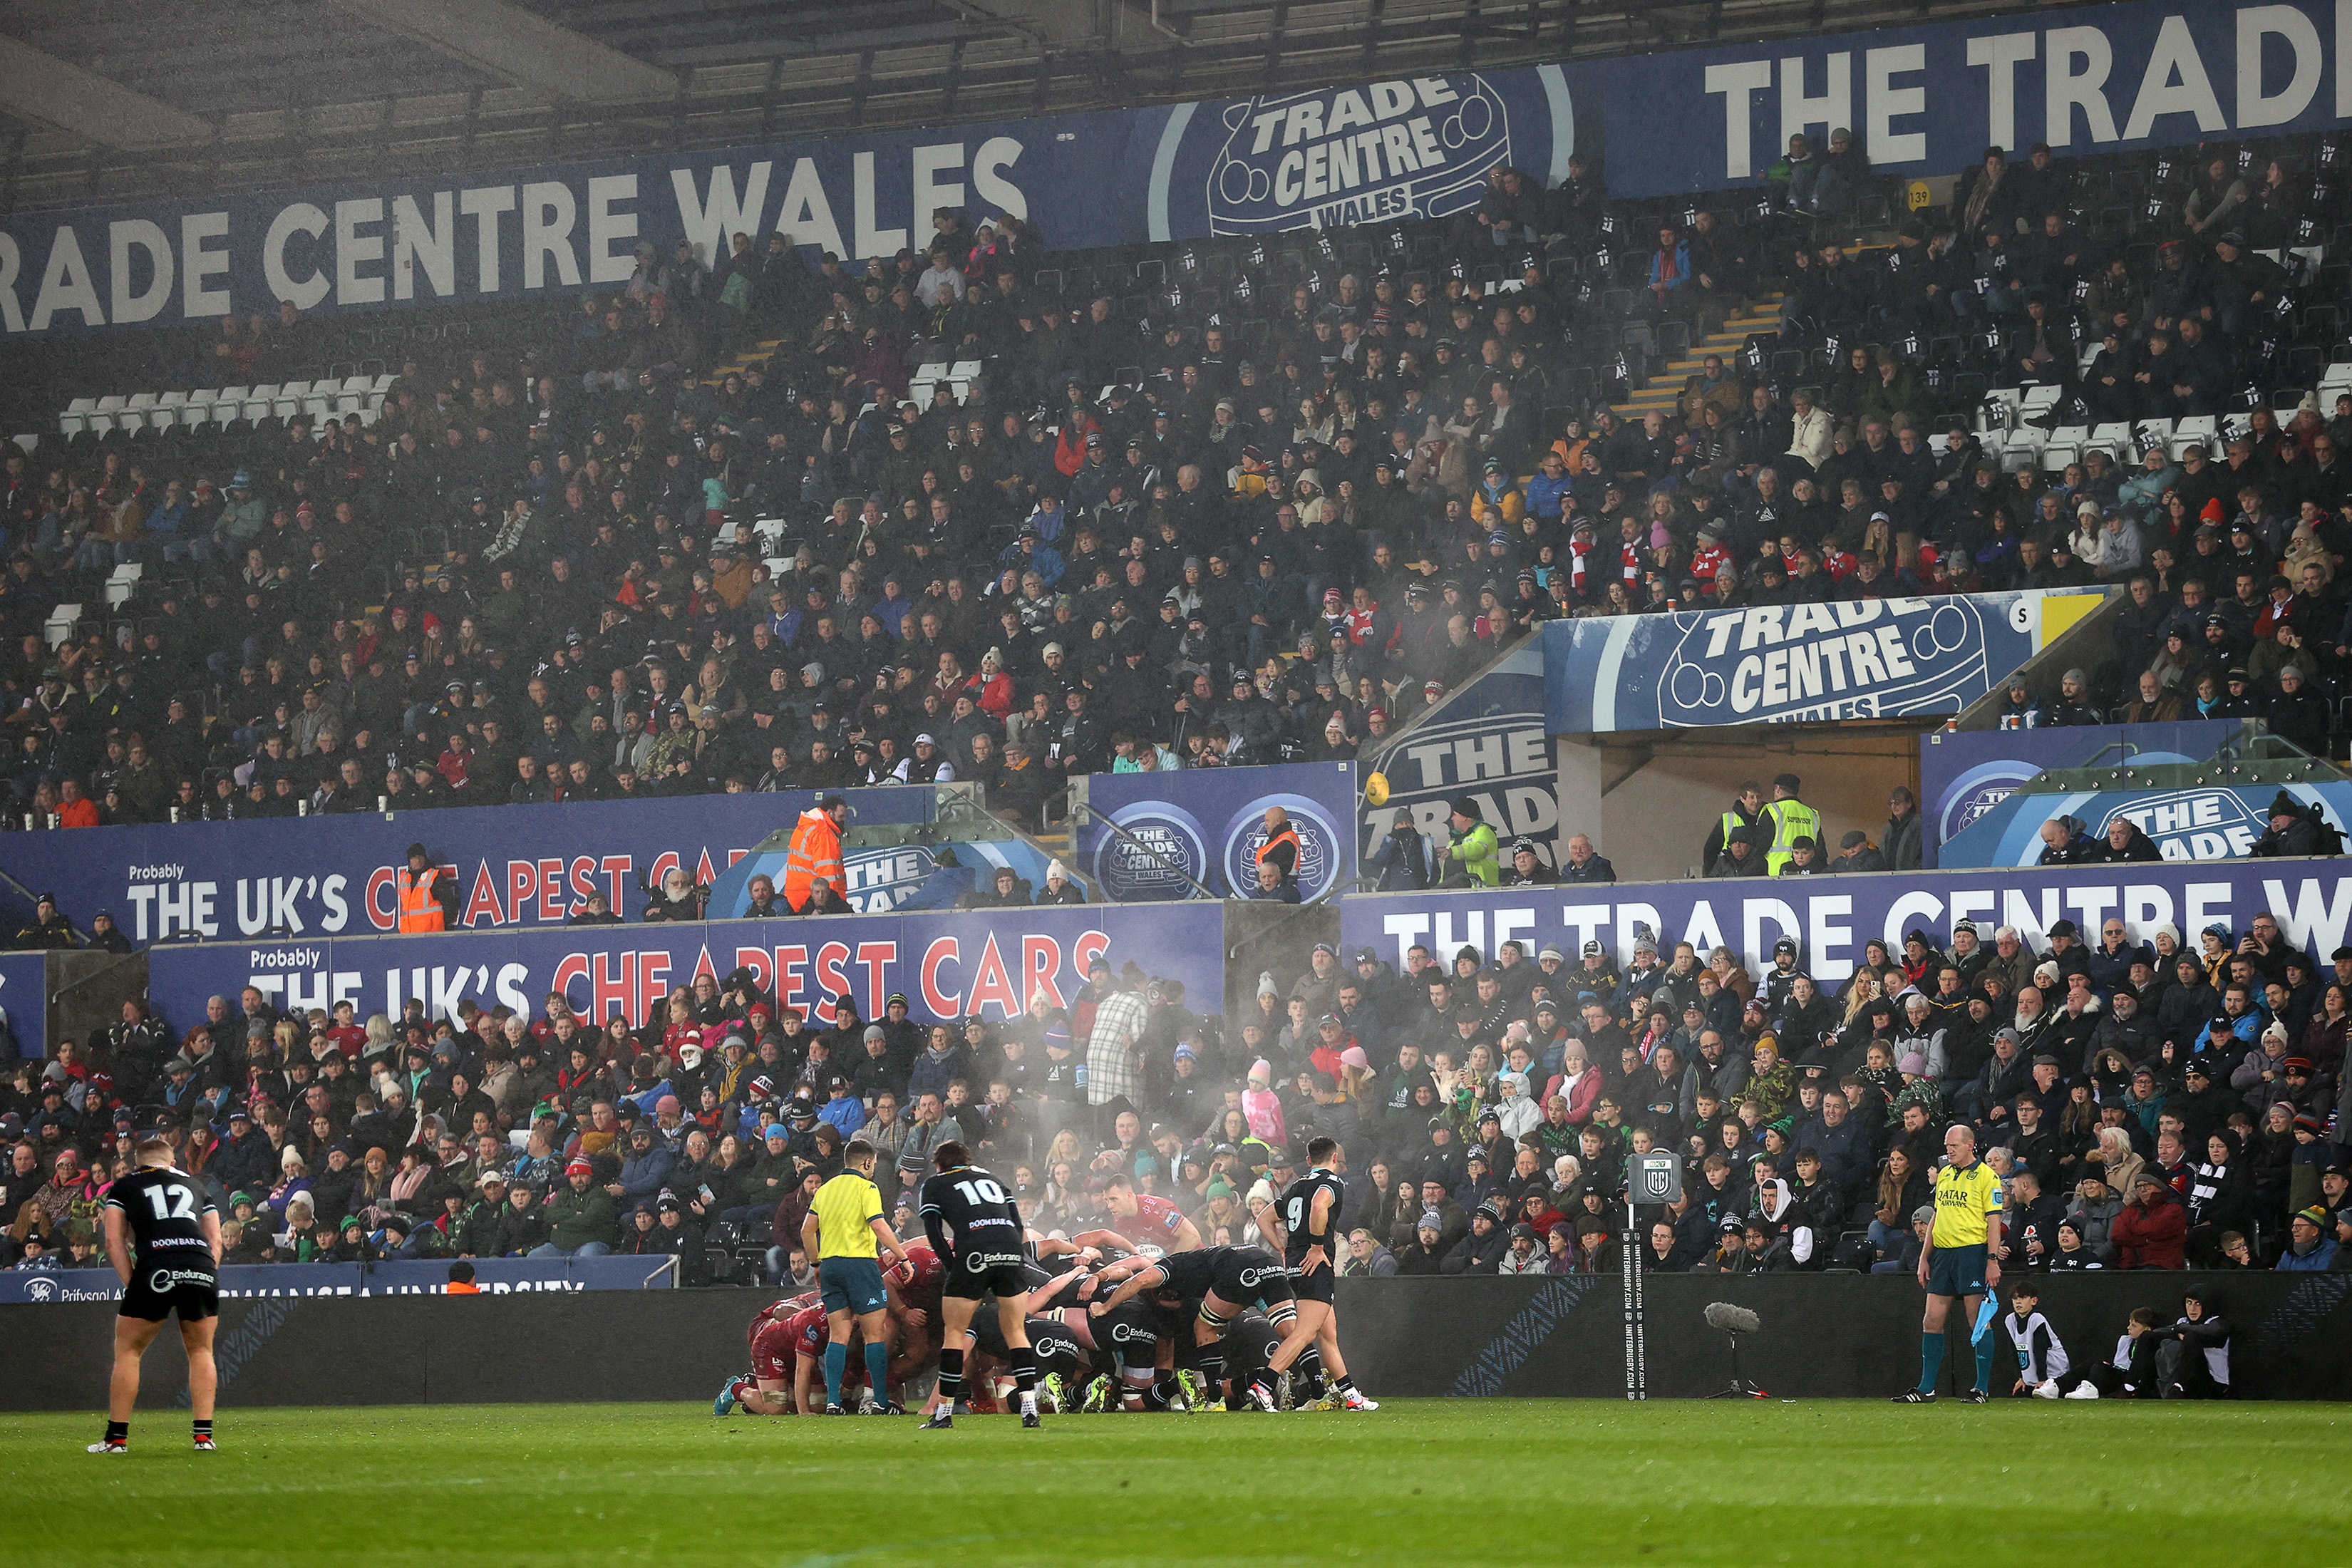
113,99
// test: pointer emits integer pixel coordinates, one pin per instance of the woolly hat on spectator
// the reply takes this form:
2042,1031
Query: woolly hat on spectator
1430,1220
578,1168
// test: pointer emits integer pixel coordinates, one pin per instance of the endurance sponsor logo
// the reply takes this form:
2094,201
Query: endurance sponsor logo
163,1279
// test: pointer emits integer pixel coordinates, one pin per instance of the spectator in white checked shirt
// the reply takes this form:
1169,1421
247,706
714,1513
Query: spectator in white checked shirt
1114,1058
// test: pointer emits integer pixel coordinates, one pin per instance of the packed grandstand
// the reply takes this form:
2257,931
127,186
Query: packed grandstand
993,511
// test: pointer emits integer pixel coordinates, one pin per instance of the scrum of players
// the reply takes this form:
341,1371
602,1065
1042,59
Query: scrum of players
1092,1322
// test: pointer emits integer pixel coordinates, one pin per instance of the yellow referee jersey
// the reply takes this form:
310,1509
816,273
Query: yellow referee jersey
1964,1201
846,1209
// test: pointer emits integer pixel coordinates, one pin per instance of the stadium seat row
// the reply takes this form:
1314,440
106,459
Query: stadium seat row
328,399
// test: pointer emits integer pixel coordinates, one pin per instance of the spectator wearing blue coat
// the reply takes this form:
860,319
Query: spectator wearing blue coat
2111,960
1401,863
1550,488
1848,1161
942,1062
1029,552
1049,519
646,1167
844,1111
2309,1248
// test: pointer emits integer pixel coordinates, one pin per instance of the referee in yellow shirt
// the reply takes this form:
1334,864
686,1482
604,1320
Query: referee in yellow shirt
843,1227
1958,1259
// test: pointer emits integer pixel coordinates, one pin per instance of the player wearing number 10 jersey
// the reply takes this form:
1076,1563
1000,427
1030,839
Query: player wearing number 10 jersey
163,1238
975,1227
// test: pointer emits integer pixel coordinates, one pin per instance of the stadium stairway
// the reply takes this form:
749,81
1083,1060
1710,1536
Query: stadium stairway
1761,314
759,353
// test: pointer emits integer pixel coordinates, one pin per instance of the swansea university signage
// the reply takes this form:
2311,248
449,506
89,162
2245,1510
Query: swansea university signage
1778,664
1921,100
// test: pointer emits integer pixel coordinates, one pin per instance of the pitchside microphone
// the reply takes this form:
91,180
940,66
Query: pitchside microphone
1732,1319
1734,1322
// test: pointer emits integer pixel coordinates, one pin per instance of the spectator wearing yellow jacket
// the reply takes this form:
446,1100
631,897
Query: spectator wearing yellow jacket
1472,848
1498,502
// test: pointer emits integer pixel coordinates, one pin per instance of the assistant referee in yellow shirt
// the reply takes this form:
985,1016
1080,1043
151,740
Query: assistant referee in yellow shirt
844,1231
1958,1260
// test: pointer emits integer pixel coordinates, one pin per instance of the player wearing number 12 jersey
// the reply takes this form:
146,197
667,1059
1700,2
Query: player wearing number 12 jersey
163,1238
975,1227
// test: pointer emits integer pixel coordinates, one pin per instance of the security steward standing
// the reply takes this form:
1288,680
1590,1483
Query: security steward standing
1790,819
428,894
1281,846
813,879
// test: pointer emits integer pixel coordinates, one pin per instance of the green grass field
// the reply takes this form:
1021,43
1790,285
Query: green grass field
1421,1482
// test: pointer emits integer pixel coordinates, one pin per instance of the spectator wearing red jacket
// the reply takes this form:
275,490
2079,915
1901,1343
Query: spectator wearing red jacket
2152,1230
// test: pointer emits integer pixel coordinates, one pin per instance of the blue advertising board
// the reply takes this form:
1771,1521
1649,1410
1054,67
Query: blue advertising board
334,875
1207,825
1829,918
25,1001
914,876
948,965
1805,663
496,1275
1486,740
1965,773
1923,100
2187,822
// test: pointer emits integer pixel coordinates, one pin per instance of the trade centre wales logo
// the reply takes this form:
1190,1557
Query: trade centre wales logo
1379,152
1390,150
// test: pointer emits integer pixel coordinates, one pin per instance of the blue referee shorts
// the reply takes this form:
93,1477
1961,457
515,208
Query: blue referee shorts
854,1285
1957,1271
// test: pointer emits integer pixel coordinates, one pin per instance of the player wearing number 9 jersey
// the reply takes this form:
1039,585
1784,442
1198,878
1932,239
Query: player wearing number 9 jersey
975,1227
1307,1218
163,1238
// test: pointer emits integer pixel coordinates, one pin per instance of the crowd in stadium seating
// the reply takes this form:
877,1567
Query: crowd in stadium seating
2147,1103
535,576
